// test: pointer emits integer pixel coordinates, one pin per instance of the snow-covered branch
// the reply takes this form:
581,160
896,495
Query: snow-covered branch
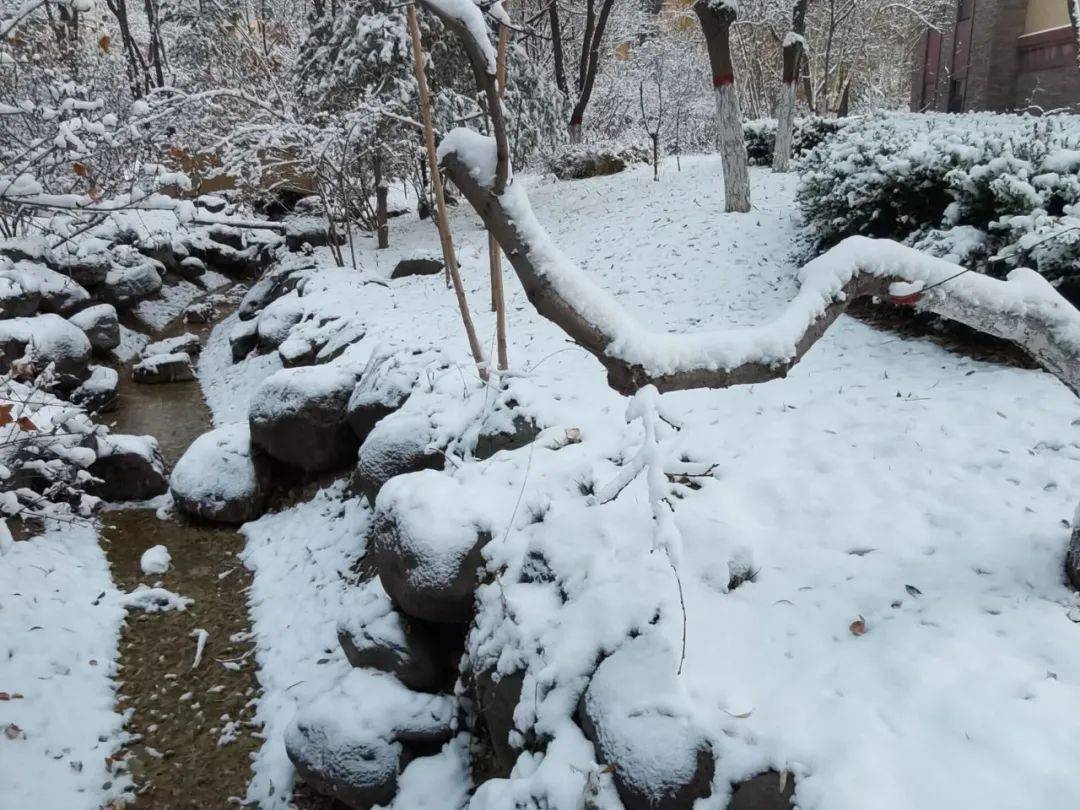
1025,309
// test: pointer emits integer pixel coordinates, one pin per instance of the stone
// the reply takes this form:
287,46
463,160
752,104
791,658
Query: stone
187,343
128,285
191,268
417,266
311,230
243,339
200,312
367,408
498,695
130,468
374,635
50,339
395,446
498,436
277,320
211,203
86,264
769,790
1072,556
60,294
101,325
642,725
298,416
98,392
163,368
428,560
20,294
297,352
352,741
219,478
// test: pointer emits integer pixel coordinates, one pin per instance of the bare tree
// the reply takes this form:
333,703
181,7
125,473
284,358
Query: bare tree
653,129
589,61
794,44
716,18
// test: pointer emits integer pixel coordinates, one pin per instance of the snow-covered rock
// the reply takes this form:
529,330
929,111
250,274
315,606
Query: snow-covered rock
98,392
276,321
642,724
374,635
243,339
127,285
187,343
298,352
164,368
101,326
352,741
59,293
86,263
20,294
765,791
200,312
46,339
298,416
218,479
421,264
130,468
155,560
397,445
1072,556
309,230
427,541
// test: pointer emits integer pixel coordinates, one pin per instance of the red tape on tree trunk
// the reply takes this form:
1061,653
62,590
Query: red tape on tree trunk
722,81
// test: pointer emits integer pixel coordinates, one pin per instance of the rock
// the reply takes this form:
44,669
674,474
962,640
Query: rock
164,368
395,446
498,695
498,436
352,741
59,294
99,391
428,559
642,725
187,343
86,263
191,268
28,249
1072,556
277,320
297,352
311,230
243,339
298,416
20,294
374,635
417,266
200,312
46,339
367,408
101,325
131,468
269,288
128,285
766,791
219,479
209,246
211,203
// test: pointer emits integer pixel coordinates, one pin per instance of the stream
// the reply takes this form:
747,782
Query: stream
192,737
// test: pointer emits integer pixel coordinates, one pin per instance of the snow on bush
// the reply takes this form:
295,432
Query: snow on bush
578,161
809,132
991,191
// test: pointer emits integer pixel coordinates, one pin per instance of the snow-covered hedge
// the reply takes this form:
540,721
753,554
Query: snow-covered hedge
760,136
578,161
988,191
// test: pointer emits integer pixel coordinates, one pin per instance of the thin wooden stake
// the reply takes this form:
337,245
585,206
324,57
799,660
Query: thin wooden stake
498,302
449,257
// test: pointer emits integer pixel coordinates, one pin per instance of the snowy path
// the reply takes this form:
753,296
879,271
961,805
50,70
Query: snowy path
885,478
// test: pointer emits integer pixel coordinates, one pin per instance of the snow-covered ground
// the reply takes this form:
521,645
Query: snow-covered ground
885,480
59,622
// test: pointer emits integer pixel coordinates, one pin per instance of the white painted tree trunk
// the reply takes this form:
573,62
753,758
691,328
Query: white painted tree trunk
785,129
732,149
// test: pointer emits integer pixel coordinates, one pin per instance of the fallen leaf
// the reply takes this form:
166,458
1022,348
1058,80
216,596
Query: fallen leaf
104,43
79,169
5,413
13,732
913,590
25,424
858,627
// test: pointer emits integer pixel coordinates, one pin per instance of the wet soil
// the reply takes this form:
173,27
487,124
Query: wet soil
192,725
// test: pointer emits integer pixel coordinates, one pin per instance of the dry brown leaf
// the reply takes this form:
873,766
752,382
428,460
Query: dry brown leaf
858,627
13,732
25,424
104,43
79,169
5,414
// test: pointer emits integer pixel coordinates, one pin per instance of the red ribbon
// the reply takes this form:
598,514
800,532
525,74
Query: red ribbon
721,81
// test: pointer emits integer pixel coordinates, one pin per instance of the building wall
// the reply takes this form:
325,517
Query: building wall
996,56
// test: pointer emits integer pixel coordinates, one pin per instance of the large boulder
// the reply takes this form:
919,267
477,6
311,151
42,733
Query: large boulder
98,392
267,289
20,294
352,741
428,546
766,791
87,263
163,368
498,695
642,725
277,320
310,230
59,293
130,468
397,445
243,338
187,343
219,479
418,265
298,416
101,325
128,285
374,635
46,339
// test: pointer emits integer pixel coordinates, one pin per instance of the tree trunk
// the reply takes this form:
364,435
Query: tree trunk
557,48
382,228
785,115
716,18
590,61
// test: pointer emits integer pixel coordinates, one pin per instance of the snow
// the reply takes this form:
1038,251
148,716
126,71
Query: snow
879,463
58,642
155,560
216,470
